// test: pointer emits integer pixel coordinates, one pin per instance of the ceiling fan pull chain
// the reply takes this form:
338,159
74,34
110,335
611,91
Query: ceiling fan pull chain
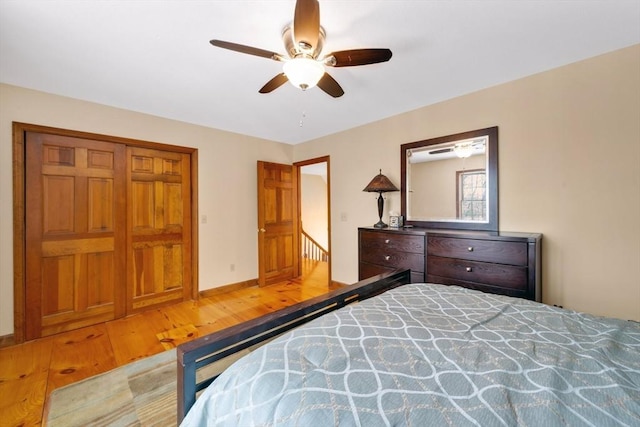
303,114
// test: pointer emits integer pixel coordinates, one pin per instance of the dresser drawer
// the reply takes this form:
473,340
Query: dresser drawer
382,251
494,251
380,241
393,259
498,275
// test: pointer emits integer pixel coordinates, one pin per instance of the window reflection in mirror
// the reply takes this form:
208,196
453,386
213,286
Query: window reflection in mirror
451,181
471,195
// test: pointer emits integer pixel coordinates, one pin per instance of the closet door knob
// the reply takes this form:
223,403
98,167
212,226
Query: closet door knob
469,269
387,257
386,241
470,248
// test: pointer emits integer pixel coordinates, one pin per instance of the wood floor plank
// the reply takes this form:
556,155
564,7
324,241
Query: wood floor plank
213,318
181,315
80,354
225,306
134,337
176,336
23,382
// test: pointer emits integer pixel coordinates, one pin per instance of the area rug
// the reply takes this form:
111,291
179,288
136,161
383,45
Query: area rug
142,393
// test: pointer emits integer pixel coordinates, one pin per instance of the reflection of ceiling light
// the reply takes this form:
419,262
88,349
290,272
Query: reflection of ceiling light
303,73
463,150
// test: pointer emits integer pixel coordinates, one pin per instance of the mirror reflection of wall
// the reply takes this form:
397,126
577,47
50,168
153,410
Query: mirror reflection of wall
436,186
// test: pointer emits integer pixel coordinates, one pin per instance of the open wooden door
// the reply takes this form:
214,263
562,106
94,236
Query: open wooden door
278,234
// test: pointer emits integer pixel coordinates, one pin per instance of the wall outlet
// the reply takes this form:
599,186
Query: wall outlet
232,267
343,216
203,219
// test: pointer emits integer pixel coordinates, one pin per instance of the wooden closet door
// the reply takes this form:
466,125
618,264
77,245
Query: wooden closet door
75,233
159,238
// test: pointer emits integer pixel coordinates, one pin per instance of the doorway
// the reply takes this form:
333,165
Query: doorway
314,217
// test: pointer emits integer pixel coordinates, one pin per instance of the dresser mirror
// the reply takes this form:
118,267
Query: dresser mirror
451,181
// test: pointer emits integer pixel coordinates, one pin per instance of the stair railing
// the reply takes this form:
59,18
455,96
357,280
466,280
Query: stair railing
312,249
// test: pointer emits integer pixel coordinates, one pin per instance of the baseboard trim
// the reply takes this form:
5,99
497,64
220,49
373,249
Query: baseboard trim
338,285
7,340
228,288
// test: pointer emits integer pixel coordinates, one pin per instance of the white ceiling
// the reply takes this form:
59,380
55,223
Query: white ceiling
154,56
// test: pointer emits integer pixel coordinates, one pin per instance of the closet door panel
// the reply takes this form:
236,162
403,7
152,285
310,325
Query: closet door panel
159,209
75,233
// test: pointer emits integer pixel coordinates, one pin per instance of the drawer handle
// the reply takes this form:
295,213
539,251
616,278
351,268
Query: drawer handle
470,248
387,241
469,269
387,257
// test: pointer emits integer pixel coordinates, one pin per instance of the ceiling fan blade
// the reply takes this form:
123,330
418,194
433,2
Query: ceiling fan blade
306,24
330,86
441,151
274,83
247,49
351,58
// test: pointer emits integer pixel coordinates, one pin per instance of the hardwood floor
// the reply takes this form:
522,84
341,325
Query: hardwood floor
29,372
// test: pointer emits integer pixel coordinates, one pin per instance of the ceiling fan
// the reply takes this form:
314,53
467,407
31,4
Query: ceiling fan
303,41
463,148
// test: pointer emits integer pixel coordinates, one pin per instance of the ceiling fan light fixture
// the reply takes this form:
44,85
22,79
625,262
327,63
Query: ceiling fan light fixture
303,73
463,150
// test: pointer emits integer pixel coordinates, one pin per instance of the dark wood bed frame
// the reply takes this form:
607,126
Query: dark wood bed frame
211,348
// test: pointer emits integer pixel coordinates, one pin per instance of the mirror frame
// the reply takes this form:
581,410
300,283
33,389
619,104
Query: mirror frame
492,181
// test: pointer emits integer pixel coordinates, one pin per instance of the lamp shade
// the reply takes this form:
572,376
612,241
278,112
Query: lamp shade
303,73
380,184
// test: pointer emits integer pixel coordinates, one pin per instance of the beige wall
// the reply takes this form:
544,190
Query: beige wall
569,167
228,237
314,208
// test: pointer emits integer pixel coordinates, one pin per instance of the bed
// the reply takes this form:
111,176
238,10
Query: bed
386,352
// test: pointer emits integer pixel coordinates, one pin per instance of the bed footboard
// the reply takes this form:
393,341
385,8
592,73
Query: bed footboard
214,347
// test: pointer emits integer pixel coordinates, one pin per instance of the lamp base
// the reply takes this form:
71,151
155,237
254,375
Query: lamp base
380,224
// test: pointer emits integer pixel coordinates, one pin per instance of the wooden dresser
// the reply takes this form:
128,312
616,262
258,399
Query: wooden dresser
497,262
381,251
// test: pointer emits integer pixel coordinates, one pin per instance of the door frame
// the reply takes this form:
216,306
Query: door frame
19,208
298,166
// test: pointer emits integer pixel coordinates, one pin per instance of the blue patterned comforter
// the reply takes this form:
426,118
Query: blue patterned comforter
433,355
